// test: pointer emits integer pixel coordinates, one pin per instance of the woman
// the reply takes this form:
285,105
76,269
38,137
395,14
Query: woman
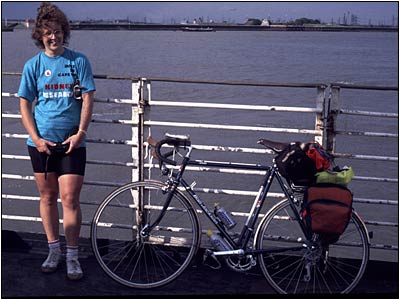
61,81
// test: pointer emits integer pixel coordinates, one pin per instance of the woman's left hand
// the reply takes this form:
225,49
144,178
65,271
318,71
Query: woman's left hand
74,141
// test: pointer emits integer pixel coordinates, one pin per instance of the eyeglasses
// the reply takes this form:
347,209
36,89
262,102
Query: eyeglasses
55,32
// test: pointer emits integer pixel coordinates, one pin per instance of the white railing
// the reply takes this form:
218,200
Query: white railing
119,143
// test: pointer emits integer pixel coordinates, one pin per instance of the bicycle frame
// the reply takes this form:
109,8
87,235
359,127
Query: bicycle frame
176,179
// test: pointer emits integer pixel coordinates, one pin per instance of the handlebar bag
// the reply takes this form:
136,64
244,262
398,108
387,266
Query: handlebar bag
327,208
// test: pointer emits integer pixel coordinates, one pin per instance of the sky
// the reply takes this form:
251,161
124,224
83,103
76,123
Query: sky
374,12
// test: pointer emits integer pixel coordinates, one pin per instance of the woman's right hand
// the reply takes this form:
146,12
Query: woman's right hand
42,145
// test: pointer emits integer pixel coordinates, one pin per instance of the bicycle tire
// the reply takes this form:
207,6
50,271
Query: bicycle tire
334,268
137,261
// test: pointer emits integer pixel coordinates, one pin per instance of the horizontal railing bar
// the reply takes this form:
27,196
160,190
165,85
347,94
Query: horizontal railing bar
232,127
381,223
364,87
379,179
113,77
32,178
97,100
368,113
33,198
115,100
376,201
230,192
11,116
6,94
365,157
384,247
234,106
93,162
114,142
35,219
219,170
113,121
17,157
213,169
96,76
227,149
101,141
366,133
241,83
232,149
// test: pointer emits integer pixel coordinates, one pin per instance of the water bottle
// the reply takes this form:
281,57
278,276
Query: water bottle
217,241
224,216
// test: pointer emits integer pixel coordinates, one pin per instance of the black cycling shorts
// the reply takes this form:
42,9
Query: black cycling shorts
73,163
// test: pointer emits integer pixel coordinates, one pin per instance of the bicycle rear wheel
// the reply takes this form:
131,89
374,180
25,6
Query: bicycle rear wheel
153,260
315,267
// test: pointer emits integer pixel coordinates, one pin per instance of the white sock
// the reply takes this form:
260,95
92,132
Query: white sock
54,246
72,252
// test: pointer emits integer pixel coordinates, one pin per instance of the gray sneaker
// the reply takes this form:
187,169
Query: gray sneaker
74,271
51,263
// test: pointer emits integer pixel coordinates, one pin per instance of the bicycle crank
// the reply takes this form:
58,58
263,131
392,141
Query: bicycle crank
241,264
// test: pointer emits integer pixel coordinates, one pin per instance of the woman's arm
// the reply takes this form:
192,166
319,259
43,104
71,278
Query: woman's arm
86,116
29,124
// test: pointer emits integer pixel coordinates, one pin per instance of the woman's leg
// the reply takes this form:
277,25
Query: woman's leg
48,190
70,187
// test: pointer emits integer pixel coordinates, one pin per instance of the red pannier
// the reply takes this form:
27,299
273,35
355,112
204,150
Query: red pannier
327,208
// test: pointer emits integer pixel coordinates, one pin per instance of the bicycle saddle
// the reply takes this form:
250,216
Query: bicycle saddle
277,147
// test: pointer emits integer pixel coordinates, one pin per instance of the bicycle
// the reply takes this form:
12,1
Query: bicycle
145,234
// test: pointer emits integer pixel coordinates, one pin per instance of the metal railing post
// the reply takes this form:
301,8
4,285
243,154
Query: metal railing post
137,149
138,118
320,119
332,113
136,132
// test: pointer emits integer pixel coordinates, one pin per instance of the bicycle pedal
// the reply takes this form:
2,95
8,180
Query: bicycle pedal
209,256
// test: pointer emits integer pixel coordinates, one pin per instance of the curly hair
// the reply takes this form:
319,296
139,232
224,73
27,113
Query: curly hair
48,13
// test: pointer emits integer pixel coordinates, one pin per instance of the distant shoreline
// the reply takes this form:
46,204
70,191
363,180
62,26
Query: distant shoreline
222,27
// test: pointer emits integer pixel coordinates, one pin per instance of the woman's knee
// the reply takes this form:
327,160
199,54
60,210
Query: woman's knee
70,201
48,198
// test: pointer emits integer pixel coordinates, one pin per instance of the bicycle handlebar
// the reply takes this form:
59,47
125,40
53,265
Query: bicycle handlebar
173,141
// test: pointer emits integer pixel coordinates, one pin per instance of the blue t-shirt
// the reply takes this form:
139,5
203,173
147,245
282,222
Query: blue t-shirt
50,80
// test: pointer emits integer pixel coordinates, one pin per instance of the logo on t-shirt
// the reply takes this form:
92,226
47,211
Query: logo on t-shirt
47,73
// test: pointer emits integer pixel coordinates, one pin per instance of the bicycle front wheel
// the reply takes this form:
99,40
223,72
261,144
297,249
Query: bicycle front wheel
146,261
294,265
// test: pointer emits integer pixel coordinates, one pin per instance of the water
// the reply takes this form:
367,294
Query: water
354,57
295,57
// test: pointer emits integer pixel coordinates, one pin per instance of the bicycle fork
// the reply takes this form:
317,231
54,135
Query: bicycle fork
147,228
